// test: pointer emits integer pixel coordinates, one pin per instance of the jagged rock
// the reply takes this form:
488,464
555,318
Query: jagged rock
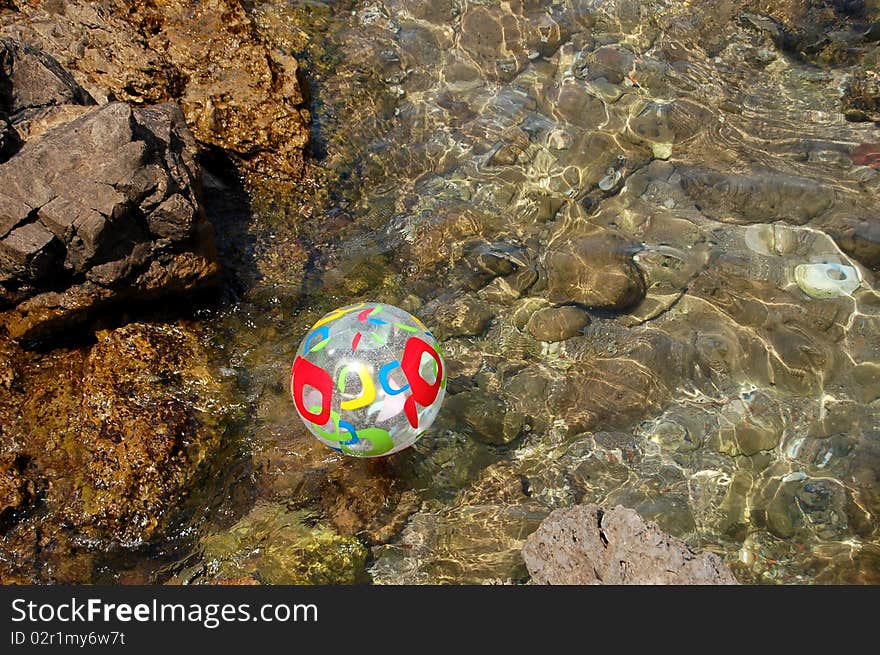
27,251
104,208
248,100
596,271
589,545
103,51
30,79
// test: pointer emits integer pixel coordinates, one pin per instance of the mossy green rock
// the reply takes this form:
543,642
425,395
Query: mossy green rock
273,545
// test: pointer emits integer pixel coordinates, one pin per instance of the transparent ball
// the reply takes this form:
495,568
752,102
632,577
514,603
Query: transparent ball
368,379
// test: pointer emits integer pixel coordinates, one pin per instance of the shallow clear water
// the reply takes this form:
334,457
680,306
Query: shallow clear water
458,146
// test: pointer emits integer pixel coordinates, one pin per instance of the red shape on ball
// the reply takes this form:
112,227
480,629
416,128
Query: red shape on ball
304,374
422,392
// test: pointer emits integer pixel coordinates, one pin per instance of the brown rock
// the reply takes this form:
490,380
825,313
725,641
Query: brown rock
761,197
275,545
589,545
462,317
861,98
557,323
485,417
248,100
867,154
596,271
16,491
138,457
499,483
118,433
104,52
239,581
357,498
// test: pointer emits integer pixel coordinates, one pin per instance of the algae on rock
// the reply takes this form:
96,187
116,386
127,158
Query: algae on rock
273,544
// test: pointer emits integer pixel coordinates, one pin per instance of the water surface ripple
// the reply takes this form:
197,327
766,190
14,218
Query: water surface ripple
660,167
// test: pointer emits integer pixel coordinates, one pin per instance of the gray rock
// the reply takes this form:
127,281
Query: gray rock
31,79
589,545
95,210
557,323
596,271
83,181
30,250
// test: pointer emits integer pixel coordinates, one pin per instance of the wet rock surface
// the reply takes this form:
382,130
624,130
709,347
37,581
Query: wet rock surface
283,551
597,272
685,178
16,491
101,446
557,323
590,545
861,98
247,101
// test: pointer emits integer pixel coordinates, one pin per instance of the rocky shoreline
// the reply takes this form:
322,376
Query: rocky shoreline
104,110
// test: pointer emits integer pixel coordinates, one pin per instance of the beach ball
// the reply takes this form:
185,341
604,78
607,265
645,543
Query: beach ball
368,379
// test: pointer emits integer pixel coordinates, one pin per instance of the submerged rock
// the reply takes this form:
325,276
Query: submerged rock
485,416
596,271
471,543
861,98
757,198
588,545
273,545
866,154
828,280
463,317
557,323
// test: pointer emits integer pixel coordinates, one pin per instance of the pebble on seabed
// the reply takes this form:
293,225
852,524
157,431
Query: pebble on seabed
828,280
